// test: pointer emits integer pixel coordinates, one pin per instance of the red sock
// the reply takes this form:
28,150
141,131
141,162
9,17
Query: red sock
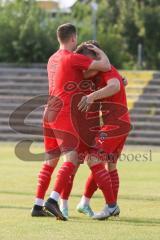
66,192
44,178
115,182
63,176
90,186
102,178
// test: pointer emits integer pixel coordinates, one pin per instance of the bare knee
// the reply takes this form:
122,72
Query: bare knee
51,160
71,156
112,166
93,160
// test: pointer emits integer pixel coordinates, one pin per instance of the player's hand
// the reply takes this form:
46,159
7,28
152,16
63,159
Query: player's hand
125,81
94,48
100,54
85,103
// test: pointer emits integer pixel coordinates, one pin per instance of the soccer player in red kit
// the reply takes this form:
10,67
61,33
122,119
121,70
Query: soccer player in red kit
65,72
110,140
124,128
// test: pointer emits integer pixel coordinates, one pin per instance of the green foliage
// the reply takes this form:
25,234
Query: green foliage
151,19
28,33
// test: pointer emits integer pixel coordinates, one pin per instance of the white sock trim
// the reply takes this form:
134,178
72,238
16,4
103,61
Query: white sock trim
64,203
39,201
84,201
55,195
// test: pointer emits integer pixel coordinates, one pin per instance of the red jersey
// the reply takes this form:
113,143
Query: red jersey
65,72
116,123
118,98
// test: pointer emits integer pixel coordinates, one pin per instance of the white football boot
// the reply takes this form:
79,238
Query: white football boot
107,212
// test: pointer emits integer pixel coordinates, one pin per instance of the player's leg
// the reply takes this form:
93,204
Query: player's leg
84,204
112,164
90,188
62,179
66,193
68,142
113,149
44,177
102,179
91,185
113,172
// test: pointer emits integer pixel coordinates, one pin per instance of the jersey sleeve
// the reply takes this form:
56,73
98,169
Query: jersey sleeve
80,61
111,74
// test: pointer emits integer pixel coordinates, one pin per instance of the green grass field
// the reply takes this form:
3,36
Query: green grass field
139,200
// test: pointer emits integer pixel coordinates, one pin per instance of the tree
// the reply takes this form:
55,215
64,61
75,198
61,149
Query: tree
28,33
151,21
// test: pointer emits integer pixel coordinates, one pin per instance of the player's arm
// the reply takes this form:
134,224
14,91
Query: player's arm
89,74
103,63
112,87
125,81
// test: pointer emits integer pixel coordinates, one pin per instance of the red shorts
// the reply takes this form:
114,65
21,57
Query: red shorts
108,149
60,134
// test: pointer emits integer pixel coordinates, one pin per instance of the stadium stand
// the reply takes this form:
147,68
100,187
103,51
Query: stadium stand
19,85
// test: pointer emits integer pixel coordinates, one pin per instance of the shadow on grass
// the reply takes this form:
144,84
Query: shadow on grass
136,221
126,197
14,207
120,220
17,193
143,198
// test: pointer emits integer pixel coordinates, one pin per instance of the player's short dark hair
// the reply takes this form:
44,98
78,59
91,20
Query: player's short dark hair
94,42
83,49
65,31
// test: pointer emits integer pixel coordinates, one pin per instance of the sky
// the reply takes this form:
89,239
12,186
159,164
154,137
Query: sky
66,3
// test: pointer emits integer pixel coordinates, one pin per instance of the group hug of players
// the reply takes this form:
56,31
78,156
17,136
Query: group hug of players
85,120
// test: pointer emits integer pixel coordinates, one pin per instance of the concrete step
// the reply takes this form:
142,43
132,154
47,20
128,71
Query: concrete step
143,81
15,100
23,92
144,117
143,141
25,77
37,114
142,89
139,117
28,120
23,80
28,129
12,98
18,137
145,110
146,103
157,75
27,86
145,133
144,96
22,71
28,65
145,126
